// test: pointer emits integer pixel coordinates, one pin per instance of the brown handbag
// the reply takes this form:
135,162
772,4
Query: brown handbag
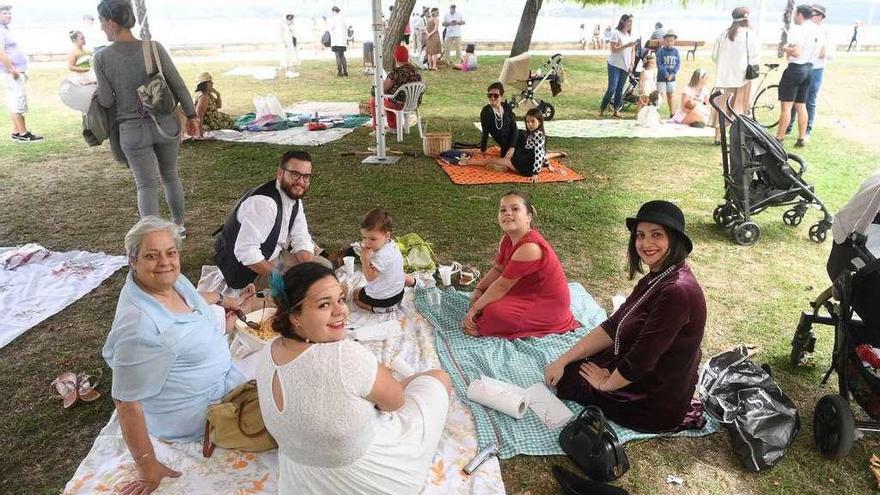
236,422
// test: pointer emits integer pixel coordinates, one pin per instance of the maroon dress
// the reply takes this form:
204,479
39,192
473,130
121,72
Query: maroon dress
659,352
538,304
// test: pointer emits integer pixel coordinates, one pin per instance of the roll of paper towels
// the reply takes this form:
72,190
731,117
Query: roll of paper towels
498,395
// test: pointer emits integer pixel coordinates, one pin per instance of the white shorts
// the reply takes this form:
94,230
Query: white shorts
666,87
16,96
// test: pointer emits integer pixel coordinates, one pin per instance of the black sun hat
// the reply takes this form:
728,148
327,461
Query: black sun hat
662,213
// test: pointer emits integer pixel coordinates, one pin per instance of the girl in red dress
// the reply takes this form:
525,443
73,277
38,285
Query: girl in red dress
526,293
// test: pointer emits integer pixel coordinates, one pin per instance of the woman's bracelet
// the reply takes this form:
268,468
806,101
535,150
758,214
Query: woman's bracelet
141,458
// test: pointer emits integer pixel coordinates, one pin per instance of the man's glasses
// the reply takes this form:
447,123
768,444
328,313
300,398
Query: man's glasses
306,178
493,95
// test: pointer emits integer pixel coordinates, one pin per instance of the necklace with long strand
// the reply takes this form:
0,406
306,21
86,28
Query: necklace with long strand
651,285
499,119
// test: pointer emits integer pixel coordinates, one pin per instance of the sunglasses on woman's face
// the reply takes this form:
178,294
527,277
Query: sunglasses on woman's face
493,95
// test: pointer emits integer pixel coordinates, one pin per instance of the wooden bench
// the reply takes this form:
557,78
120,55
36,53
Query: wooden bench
691,53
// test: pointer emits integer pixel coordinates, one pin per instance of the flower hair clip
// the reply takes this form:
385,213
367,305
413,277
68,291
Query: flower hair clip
276,286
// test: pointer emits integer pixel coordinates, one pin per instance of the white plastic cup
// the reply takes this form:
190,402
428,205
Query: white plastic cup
445,274
349,264
434,298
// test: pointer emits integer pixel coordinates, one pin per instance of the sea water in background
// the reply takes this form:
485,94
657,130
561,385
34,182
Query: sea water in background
42,26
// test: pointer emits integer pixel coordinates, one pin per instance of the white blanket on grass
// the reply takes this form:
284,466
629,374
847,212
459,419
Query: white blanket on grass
295,136
324,107
257,72
109,464
37,290
616,128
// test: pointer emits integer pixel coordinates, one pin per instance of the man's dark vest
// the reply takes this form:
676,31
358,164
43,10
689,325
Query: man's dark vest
238,275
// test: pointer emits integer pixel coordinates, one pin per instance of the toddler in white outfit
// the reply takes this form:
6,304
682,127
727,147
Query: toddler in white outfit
382,265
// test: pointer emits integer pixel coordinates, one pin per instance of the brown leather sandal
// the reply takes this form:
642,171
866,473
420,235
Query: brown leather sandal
86,388
65,388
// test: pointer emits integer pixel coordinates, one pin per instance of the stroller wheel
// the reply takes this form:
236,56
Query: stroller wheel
547,110
718,214
802,344
818,233
792,217
746,233
833,427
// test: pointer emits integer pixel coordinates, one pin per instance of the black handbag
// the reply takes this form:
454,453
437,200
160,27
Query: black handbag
752,70
593,446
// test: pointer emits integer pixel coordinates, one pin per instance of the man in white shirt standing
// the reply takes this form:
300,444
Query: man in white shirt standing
268,226
795,82
453,21
821,54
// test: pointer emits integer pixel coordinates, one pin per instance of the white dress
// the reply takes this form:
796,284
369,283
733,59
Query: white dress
332,440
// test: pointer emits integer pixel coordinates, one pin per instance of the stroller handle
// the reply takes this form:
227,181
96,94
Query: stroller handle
722,114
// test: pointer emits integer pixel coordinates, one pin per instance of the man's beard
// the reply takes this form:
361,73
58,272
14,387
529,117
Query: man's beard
289,191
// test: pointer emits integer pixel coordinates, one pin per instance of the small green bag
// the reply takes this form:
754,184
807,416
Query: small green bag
417,253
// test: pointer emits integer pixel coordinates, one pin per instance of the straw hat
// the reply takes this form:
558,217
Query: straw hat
204,77
818,9
670,32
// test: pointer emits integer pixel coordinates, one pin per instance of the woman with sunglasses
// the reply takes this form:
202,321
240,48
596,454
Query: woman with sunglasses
497,120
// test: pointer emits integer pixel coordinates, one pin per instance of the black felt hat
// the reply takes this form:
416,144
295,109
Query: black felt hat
662,213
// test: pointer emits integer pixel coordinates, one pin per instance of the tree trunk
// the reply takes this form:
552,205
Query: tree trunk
140,10
786,20
394,34
526,27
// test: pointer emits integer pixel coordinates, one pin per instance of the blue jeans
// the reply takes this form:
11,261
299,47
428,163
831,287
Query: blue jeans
616,80
812,94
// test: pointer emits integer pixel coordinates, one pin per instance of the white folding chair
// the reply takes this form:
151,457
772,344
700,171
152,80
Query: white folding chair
412,92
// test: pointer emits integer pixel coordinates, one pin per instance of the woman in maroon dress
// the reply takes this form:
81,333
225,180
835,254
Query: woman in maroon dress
640,365
526,292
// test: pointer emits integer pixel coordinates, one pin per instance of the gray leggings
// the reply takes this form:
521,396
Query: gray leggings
151,156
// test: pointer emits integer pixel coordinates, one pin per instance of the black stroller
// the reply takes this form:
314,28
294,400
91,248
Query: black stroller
631,88
851,305
758,174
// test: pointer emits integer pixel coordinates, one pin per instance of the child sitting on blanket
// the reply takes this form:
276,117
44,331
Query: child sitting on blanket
530,154
382,265
649,116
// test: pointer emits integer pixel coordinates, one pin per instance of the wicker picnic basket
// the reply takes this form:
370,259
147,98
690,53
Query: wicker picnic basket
364,108
434,143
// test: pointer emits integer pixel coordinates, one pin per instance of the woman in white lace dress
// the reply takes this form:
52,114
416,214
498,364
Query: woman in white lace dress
342,422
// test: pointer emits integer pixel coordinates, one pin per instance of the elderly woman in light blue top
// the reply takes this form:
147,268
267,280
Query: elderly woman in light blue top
167,349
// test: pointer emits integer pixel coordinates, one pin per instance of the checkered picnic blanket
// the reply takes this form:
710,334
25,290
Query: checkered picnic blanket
520,362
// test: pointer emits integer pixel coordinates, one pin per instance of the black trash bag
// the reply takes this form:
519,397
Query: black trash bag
762,421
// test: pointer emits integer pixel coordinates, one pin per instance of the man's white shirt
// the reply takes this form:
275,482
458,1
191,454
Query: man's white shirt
257,217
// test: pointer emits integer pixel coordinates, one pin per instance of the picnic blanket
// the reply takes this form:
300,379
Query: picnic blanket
478,174
325,107
350,121
591,128
295,136
108,463
37,290
520,362
261,72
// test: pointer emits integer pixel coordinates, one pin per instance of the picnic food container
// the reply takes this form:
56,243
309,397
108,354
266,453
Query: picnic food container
433,143
255,339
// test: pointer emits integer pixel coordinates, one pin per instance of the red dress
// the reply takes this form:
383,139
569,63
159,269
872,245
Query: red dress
538,304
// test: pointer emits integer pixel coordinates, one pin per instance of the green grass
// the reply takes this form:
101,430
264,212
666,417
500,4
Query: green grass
68,196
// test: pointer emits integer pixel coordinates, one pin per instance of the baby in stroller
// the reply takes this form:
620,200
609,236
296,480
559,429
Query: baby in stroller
516,73
851,304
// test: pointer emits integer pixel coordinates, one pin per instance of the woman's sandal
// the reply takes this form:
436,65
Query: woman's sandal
65,388
86,388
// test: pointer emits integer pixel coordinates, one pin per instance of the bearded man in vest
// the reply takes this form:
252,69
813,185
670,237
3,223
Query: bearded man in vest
268,226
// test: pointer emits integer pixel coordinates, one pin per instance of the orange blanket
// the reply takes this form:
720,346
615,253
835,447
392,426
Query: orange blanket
477,174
